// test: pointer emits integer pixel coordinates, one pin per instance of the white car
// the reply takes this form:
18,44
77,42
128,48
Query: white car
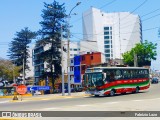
37,92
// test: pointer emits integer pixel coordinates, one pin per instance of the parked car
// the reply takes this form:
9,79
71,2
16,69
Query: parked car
154,80
37,92
72,90
80,89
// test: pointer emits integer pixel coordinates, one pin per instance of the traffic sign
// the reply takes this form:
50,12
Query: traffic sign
22,89
34,88
43,87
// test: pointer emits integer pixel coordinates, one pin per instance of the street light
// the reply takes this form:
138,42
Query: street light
69,16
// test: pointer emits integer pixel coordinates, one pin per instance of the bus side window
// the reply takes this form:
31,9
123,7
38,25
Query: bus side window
118,75
107,79
112,76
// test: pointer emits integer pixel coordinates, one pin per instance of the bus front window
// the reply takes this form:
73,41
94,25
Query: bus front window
99,80
94,79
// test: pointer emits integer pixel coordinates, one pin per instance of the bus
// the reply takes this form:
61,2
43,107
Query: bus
101,81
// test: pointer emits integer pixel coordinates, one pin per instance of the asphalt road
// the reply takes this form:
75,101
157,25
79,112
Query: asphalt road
145,101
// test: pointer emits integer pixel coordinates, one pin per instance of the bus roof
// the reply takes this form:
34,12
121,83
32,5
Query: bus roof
117,68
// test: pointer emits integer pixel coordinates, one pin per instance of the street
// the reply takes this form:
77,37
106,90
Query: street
148,100
144,101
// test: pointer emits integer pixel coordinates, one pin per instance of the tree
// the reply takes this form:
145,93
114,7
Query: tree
53,18
145,53
8,70
18,48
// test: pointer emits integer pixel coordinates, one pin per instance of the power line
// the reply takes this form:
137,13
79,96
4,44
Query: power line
151,17
108,4
133,11
150,12
140,17
126,32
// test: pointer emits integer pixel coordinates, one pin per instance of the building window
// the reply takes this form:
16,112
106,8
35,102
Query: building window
107,55
83,58
70,49
83,67
106,37
106,42
106,28
91,57
71,61
107,46
71,68
107,51
106,33
75,49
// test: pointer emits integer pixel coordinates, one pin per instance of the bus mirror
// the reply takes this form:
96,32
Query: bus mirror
104,75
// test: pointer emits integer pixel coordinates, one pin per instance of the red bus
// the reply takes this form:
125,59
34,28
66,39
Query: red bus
101,81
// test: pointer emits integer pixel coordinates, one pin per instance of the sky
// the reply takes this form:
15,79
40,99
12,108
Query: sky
18,14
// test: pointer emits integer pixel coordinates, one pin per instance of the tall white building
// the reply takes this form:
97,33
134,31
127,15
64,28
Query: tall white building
115,33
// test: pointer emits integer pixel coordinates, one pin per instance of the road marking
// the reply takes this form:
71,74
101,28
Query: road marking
146,99
4,101
111,102
137,100
45,99
50,108
83,105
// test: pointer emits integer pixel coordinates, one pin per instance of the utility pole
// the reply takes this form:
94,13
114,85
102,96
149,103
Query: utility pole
62,63
68,61
120,39
23,72
14,80
135,59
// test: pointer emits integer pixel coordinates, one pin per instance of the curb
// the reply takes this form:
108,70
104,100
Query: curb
26,95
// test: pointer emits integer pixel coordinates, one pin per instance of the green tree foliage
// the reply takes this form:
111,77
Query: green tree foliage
7,70
18,48
145,53
53,20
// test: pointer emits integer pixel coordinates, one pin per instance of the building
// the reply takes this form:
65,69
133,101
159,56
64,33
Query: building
115,33
38,63
80,63
29,74
90,59
74,48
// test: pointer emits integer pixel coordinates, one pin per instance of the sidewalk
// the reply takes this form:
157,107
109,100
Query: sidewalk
46,97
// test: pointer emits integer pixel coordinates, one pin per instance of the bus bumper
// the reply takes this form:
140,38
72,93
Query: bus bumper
99,93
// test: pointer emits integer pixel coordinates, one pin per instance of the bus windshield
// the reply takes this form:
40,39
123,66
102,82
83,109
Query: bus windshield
94,79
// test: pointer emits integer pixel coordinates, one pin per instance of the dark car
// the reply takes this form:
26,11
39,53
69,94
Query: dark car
80,89
72,90
154,80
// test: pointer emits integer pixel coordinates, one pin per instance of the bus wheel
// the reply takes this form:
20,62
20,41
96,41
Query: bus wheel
112,92
137,90
96,95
